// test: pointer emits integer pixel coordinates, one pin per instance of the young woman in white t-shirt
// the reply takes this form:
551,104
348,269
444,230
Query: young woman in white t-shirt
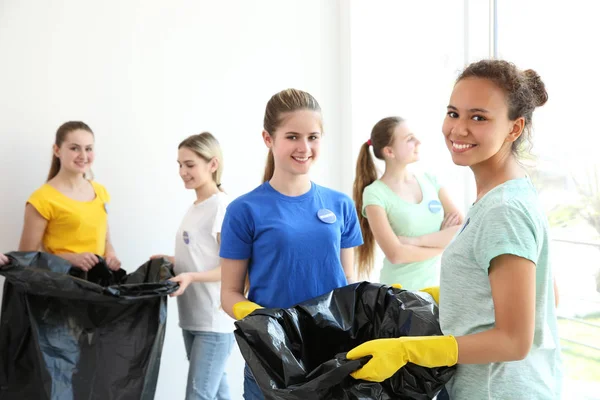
207,330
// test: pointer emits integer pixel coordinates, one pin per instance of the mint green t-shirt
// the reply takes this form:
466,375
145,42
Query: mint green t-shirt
507,220
409,219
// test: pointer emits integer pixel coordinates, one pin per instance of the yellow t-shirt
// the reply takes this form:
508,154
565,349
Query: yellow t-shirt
73,226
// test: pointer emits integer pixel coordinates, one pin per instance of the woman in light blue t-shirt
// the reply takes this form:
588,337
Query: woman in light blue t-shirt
408,214
496,297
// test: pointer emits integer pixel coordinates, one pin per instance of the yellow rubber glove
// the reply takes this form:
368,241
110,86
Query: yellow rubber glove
434,291
389,355
243,308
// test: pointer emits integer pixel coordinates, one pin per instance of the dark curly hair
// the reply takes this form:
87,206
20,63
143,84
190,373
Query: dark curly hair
524,92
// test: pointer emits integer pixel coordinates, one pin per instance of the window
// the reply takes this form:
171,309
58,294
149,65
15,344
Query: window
557,40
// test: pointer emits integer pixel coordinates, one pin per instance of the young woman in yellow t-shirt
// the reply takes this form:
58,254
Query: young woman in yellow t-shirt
68,215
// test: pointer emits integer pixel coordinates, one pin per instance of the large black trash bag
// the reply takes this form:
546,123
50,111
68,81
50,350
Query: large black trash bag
299,353
70,335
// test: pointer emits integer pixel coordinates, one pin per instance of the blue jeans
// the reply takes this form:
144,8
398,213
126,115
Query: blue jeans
208,353
58,341
251,389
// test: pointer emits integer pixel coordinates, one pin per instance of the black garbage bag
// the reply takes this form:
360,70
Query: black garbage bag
70,335
299,353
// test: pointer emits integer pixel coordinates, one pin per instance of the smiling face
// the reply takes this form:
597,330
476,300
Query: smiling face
477,127
76,152
296,141
194,170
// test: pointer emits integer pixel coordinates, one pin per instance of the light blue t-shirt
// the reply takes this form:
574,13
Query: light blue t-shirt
293,255
507,220
409,219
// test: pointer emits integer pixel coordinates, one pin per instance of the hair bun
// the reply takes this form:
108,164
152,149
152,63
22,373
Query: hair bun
537,86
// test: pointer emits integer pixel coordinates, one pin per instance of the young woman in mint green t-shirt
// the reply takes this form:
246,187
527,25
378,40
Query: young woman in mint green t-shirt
407,214
496,296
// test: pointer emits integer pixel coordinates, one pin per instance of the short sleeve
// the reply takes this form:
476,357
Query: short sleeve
237,232
351,235
372,197
101,192
40,202
220,214
434,181
506,229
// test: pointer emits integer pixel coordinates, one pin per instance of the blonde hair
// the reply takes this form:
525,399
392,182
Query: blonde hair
207,147
286,101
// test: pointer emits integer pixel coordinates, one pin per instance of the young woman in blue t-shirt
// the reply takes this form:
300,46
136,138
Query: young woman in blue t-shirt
293,238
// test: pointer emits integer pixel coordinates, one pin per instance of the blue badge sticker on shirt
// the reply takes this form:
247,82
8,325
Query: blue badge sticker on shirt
435,206
186,237
326,216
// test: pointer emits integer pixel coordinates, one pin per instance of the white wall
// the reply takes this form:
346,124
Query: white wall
404,58
147,74
144,75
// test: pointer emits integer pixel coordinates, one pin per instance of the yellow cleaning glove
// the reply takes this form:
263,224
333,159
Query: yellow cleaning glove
389,355
243,308
434,291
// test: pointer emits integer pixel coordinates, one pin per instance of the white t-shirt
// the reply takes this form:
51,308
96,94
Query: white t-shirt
197,249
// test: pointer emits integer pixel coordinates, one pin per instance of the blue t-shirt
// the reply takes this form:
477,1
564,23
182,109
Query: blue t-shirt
293,255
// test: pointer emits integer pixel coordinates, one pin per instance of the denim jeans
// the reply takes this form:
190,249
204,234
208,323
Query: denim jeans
208,353
58,342
251,389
